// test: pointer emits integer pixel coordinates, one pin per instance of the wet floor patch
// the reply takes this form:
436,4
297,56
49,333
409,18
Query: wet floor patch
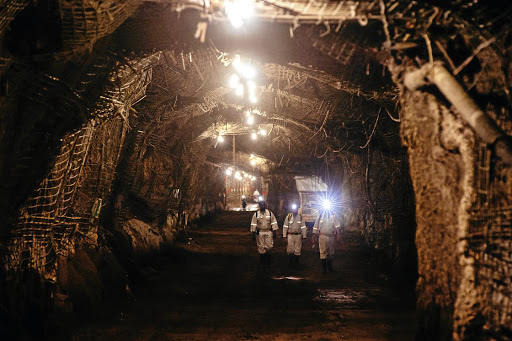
348,298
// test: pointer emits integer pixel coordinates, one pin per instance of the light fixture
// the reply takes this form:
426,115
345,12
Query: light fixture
229,172
254,136
250,120
237,174
237,11
253,163
240,90
220,138
252,99
294,206
263,132
252,156
234,81
248,72
260,198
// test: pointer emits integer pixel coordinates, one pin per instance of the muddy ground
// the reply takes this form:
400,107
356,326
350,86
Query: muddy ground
210,286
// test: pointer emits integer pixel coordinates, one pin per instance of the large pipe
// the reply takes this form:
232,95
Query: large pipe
481,123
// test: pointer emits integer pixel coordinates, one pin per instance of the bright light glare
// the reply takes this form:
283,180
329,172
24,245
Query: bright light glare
260,198
248,71
247,113
251,85
240,90
326,204
253,178
229,172
294,206
250,120
237,174
253,99
253,163
233,81
252,156
220,138
263,132
254,136
237,11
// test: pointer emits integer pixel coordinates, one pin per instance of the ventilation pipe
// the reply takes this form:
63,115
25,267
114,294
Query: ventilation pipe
435,73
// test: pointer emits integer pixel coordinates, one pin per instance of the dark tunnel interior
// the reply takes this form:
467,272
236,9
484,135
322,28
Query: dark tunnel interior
139,139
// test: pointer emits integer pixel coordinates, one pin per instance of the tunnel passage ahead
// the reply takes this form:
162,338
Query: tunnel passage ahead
211,287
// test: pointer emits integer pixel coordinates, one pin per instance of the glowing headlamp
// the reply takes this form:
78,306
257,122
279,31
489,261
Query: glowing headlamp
326,204
260,198
294,206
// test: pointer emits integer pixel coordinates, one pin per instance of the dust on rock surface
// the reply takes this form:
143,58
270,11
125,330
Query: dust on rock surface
210,286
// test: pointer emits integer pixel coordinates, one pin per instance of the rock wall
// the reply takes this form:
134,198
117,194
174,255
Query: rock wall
462,194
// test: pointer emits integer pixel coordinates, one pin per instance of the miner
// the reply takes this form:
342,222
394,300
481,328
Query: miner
327,229
294,230
263,228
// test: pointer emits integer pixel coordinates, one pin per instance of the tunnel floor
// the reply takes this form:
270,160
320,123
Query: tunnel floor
210,286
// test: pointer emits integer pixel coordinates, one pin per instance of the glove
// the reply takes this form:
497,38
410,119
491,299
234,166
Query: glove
254,236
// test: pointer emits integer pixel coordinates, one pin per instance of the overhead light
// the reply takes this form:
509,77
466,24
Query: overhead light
234,81
220,138
253,163
237,11
250,120
254,136
247,113
253,99
253,178
240,89
237,174
248,71
252,156
229,172
251,85
263,132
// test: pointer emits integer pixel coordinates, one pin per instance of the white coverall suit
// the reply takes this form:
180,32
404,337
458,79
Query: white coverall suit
263,223
327,226
294,229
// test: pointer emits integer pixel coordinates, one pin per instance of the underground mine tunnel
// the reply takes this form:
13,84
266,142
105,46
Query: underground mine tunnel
141,140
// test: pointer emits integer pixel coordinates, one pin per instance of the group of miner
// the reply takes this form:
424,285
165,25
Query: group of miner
326,231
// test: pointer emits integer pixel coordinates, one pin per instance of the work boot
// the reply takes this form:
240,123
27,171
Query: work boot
324,266
329,265
290,260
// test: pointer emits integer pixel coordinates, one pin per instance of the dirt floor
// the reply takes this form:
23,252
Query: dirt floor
210,286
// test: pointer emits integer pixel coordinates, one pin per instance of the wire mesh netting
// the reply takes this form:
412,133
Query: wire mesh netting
65,204
84,22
